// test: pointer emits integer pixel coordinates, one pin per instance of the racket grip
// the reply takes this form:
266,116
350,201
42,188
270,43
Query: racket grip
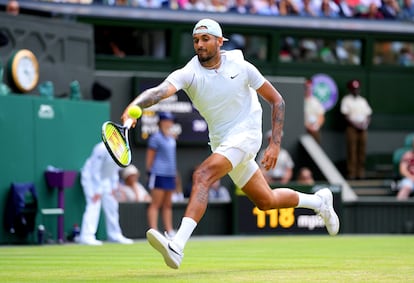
128,123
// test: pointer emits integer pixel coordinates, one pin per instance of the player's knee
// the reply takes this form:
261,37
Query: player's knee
202,176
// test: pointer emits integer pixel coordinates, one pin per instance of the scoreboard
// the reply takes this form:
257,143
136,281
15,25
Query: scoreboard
251,220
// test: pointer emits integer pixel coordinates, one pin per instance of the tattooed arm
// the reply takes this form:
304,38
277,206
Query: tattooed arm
277,105
150,97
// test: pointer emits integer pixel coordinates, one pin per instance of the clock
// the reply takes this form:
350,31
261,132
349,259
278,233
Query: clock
24,70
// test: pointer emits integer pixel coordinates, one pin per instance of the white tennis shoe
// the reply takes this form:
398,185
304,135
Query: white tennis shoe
327,212
172,255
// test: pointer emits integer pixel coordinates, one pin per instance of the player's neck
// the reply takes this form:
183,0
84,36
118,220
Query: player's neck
213,66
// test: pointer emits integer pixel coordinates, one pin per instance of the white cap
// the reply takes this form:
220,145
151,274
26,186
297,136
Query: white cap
209,26
128,171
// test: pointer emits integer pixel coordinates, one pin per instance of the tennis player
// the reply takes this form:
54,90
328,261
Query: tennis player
224,87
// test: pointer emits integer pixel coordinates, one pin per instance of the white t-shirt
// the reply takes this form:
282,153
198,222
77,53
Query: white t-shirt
356,108
226,98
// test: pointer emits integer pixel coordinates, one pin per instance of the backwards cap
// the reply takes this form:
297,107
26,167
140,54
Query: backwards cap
208,26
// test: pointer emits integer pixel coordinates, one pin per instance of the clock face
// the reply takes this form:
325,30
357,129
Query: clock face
24,70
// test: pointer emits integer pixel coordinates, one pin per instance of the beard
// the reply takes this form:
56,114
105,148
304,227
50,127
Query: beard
204,56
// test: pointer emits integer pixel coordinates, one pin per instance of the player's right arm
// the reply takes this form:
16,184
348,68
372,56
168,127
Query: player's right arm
150,97
277,105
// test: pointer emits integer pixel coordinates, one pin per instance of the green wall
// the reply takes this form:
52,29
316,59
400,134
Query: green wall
36,133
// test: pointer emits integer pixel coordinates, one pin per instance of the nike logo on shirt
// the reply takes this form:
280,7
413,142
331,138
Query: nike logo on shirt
232,77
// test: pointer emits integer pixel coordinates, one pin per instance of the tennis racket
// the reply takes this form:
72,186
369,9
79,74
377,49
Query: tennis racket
115,138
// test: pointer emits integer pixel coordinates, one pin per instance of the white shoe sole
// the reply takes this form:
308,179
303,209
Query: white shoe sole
160,243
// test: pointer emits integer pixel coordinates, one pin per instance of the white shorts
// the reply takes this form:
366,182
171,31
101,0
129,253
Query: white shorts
244,164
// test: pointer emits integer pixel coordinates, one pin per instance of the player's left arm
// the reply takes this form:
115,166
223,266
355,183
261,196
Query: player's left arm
150,97
277,105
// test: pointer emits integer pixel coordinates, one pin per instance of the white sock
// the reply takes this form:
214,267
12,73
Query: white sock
184,232
310,201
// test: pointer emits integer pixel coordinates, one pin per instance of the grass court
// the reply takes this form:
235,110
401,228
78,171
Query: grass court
344,258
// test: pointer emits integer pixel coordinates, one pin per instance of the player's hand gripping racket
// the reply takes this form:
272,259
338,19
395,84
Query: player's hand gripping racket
115,138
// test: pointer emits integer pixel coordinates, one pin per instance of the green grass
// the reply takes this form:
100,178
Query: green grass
221,259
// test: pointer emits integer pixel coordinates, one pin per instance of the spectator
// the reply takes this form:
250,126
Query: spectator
288,8
406,57
283,171
108,41
241,7
308,50
328,9
406,169
390,9
357,113
197,5
288,51
162,167
218,193
345,9
305,177
265,7
150,3
13,7
314,113
218,6
407,11
307,9
373,13
364,4
99,179
131,190
327,52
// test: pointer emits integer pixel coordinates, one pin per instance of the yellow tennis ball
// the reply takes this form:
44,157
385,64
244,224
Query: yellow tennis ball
135,111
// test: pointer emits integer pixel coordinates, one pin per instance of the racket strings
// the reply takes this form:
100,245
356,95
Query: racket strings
117,143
